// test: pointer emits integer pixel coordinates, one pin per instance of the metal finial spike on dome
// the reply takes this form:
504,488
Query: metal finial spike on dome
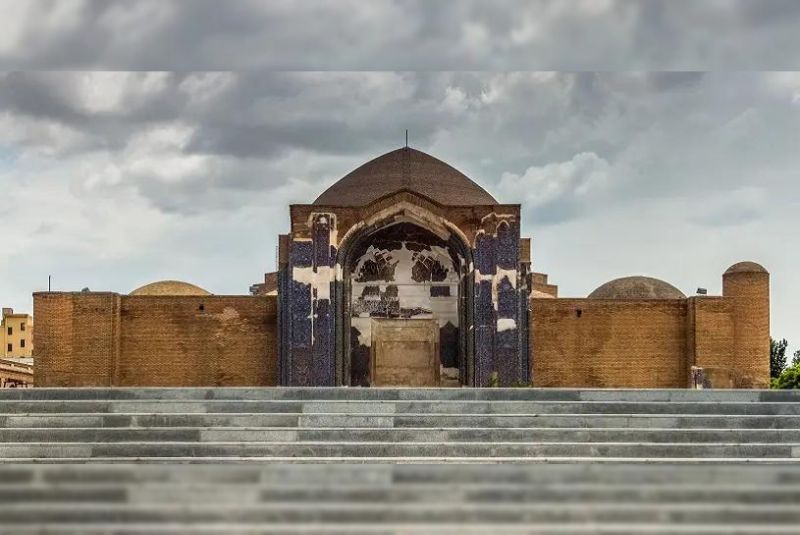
406,137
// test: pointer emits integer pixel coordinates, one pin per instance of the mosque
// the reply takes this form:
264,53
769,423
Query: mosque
407,273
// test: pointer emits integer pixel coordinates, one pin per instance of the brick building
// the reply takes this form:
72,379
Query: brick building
406,272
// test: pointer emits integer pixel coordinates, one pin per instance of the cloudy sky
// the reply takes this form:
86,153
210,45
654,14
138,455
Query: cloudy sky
149,140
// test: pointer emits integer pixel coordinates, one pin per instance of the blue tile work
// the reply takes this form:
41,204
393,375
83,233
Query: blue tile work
284,363
324,320
484,316
500,325
299,329
496,306
308,324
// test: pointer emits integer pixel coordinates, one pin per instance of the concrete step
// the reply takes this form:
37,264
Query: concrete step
12,407
476,528
392,394
387,475
534,421
157,493
377,513
294,434
378,450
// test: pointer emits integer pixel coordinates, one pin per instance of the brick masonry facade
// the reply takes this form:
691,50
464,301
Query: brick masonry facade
107,339
422,243
101,339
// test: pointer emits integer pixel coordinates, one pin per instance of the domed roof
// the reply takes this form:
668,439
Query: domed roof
637,288
745,267
169,288
405,168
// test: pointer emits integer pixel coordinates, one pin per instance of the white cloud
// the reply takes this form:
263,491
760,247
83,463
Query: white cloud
39,136
21,19
455,100
154,155
104,92
539,185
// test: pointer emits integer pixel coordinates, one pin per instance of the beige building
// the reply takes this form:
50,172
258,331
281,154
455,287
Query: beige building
16,372
17,338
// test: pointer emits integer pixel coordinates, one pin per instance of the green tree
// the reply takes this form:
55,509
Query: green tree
789,379
796,358
777,357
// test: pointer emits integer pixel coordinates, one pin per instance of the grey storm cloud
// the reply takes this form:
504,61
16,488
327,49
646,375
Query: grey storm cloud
200,141
400,34
114,179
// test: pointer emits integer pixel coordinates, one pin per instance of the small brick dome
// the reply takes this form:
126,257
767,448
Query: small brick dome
637,287
410,169
169,287
745,267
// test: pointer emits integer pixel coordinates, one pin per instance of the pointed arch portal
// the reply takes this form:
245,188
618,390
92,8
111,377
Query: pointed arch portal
405,270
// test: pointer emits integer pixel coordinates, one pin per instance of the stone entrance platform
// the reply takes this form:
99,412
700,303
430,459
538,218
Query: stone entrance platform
294,460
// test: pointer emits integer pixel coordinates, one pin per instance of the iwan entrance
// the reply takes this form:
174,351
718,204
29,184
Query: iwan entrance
403,273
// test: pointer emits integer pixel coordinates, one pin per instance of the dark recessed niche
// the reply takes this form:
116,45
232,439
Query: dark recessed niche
578,312
201,308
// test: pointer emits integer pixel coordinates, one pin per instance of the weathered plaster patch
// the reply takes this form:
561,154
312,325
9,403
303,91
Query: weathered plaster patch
510,274
227,314
495,215
506,324
319,280
497,280
480,277
326,218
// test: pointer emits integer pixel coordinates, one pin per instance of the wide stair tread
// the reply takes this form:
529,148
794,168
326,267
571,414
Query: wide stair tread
305,460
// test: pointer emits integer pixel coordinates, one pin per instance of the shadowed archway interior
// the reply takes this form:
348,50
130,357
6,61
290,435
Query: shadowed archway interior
405,271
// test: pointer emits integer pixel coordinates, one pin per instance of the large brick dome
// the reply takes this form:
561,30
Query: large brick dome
169,287
405,168
637,288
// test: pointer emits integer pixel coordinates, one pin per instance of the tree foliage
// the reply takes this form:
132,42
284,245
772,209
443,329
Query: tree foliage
777,357
789,379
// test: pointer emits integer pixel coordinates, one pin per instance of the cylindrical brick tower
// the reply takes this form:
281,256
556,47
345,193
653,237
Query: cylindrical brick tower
747,283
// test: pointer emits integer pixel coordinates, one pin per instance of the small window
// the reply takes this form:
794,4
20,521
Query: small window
10,331
22,343
10,348
22,326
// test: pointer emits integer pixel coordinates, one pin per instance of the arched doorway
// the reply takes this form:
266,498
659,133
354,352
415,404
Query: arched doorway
404,275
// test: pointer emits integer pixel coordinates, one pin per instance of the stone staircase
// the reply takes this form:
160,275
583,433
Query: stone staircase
301,460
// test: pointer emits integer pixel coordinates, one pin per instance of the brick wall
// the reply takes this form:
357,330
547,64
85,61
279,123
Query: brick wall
710,339
608,343
102,339
76,338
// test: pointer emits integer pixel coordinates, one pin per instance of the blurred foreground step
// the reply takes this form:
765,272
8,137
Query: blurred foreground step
399,498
